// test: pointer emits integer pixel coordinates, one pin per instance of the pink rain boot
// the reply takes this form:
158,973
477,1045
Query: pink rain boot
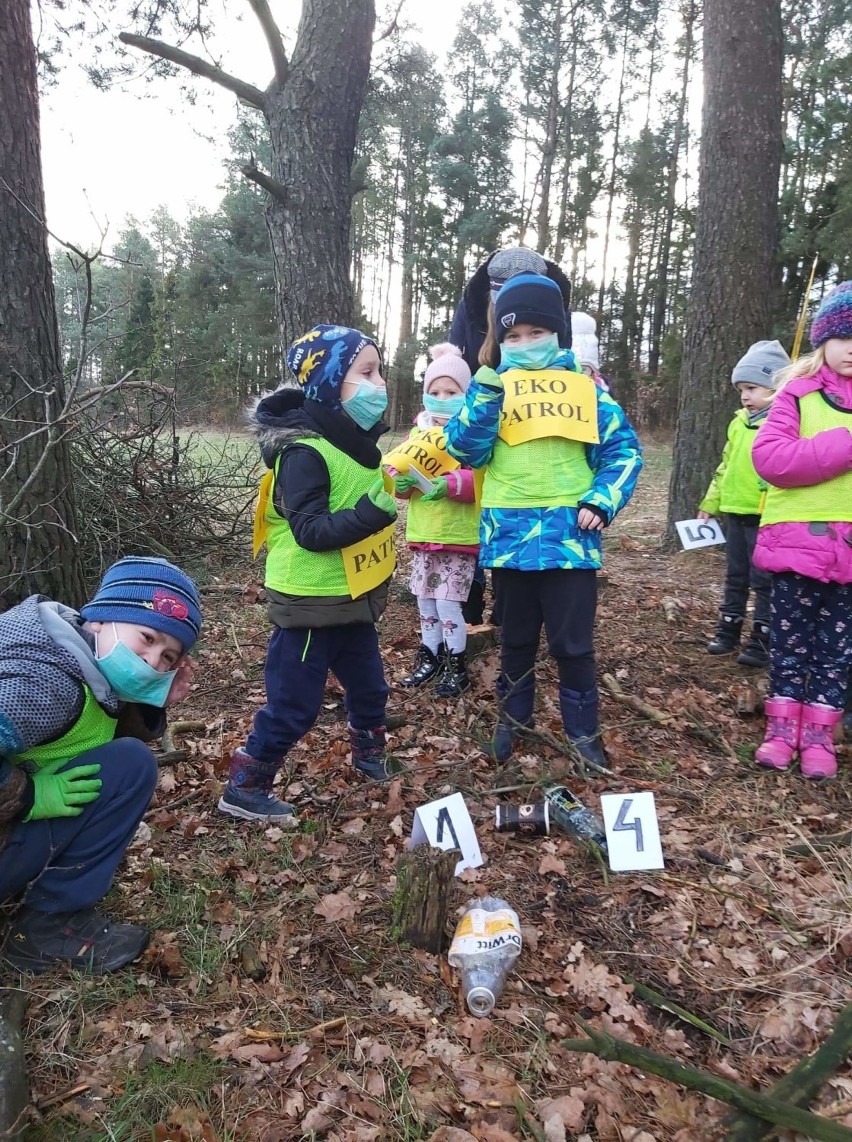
783,716
816,745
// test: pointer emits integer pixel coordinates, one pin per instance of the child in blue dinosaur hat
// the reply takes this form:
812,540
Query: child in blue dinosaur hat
327,523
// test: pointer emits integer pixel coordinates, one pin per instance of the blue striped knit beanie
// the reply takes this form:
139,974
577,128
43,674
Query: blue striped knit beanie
530,299
321,358
151,592
834,316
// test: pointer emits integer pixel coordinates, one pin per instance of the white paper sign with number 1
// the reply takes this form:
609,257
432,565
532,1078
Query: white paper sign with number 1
699,533
446,824
632,831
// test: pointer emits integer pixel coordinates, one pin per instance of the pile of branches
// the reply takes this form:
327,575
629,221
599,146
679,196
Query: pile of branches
143,486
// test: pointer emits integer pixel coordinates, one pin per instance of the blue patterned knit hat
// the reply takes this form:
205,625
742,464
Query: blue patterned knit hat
151,592
834,316
321,358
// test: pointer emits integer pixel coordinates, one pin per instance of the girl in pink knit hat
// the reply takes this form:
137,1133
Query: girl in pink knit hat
442,527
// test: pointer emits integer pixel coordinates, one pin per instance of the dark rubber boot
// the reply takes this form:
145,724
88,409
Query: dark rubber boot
369,752
727,636
86,940
248,794
756,650
516,706
426,666
454,678
580,721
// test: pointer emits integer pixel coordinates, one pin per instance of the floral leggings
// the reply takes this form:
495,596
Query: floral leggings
811,639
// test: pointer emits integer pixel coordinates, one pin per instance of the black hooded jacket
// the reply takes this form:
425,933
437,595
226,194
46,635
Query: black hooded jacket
470,324
302,485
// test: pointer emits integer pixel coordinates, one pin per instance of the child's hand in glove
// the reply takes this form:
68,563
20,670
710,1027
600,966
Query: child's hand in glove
403,484
381,499
63,794
439,491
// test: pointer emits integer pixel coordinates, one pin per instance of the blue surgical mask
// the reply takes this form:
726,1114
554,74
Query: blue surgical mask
449,407
538,354
366,404
132,678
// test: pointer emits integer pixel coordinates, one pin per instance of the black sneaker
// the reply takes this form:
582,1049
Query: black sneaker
86,940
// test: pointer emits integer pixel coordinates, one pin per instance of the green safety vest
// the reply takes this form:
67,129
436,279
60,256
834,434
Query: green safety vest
736,487
828,502
442,521
290,569
94,727
549,473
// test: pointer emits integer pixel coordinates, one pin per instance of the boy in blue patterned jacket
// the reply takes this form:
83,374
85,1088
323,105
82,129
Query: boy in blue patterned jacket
561,460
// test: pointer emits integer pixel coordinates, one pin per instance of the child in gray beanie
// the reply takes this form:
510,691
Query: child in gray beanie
736,491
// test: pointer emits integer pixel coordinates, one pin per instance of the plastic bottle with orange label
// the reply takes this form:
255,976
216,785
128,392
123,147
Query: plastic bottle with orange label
486,943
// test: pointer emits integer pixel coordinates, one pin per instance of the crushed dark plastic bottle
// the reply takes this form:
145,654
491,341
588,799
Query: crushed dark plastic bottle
486,943
569,814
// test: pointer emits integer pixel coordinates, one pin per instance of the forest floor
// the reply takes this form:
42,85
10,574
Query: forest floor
350,1037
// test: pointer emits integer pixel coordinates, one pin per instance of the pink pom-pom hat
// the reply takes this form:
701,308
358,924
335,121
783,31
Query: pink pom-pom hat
447,361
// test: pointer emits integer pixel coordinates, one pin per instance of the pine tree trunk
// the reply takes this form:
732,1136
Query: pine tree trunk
548,150
39,548
613,174
736,234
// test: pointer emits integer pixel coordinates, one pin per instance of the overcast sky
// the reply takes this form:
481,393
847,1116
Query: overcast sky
125,151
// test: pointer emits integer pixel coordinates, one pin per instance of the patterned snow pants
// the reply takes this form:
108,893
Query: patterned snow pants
811,639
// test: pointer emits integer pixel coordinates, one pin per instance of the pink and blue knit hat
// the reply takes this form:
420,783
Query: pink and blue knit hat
151,593
834,316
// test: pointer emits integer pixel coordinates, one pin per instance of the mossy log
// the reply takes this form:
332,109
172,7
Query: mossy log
800,1085
14,1092
424,880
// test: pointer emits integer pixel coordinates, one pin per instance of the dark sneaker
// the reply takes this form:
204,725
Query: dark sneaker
86,940
248,794
727,636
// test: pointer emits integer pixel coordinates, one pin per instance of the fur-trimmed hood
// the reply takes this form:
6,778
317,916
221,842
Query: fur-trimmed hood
285,416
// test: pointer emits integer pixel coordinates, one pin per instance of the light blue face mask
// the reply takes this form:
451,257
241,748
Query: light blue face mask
132,678
538,354
449,407
366,404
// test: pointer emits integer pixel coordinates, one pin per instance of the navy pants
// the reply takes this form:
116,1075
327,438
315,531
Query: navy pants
740,571
69,863
564,602
297,666
810,639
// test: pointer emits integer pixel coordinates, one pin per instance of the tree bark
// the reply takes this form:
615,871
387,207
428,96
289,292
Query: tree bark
14,1091
424,883
731,300
39,549
312,108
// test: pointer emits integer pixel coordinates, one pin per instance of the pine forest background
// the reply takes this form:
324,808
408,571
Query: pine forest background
569,127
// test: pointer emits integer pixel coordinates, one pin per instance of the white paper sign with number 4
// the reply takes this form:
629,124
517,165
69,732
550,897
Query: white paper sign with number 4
446,824
632,831
699,533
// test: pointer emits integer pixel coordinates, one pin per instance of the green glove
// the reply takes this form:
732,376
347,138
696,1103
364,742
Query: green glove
487,376
403,484
381,499
63,794
439,492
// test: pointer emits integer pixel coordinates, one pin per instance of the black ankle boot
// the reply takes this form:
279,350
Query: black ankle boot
454,678
727,636
580,722
426,666
756,650
516,714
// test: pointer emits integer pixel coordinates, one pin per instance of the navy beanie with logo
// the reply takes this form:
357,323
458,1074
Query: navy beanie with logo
151,593
533,300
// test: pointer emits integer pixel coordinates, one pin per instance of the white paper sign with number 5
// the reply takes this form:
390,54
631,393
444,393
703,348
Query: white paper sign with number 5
699,533
632,831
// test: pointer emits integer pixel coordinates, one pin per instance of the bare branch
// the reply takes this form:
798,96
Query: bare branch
273,39
393,26
270,184
245,91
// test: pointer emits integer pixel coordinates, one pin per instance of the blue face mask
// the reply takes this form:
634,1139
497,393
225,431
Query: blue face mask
449,407
536,355
366,405
133,679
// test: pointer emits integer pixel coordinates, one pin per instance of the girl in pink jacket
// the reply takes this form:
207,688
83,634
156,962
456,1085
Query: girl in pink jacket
804,450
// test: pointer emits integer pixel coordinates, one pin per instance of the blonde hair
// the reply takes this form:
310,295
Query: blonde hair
489,354
805,366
